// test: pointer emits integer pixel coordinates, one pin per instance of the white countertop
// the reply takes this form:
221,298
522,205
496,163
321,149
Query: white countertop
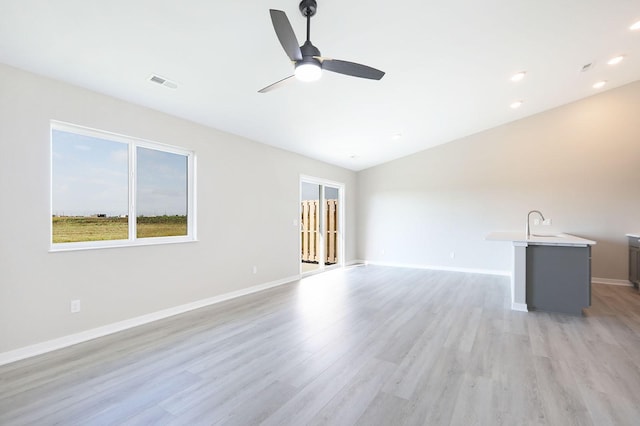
538,239
636,235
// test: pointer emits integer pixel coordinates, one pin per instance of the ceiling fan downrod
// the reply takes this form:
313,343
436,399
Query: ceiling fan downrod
308,9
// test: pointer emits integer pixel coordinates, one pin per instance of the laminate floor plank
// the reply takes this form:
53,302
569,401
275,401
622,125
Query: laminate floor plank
256,410
607,410
474,403
385,409
314,395
561,398
346,407
486,347
436,396
515,376
155,416
420,360
368,345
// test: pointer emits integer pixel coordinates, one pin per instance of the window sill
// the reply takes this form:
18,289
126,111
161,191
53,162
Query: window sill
99,245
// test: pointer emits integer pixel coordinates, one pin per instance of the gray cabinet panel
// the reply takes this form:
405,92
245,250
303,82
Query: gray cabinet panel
558,278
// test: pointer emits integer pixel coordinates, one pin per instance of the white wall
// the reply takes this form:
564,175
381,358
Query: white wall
579,164
242,220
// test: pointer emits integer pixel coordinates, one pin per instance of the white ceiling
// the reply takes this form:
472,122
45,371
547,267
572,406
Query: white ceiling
448,64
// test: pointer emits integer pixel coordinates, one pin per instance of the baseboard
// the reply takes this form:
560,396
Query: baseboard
521,307
73,339
355,262
611,281
441,268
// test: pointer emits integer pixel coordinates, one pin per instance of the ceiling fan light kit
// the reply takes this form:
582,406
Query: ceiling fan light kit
308,71
307,59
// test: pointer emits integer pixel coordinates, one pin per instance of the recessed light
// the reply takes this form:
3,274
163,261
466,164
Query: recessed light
616,60
518,76
516,104
600,84
352,156
635,26
397,136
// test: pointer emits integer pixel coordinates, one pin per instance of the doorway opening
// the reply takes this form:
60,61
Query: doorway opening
321,225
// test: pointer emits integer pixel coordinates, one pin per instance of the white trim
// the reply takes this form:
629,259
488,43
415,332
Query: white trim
611,281
520,307
109,244
320,181
83,336
441,268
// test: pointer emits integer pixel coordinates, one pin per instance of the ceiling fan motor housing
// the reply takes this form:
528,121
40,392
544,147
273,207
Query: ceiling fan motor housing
308,7
309,49
310,55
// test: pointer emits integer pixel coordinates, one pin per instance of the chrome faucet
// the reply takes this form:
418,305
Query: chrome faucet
529,218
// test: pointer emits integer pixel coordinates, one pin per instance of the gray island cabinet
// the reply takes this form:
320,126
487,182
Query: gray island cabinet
558,278
549,273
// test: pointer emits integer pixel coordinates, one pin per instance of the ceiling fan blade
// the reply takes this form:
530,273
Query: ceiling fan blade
285,34
351,68
275,85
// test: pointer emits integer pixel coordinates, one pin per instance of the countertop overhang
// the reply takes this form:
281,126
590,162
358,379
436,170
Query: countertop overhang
550,240
635,235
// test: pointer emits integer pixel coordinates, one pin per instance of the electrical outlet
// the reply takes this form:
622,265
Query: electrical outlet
382,252
255,269
75,306
536,221
452,255
546,222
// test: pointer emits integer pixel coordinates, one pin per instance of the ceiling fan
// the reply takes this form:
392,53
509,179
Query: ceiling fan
307,59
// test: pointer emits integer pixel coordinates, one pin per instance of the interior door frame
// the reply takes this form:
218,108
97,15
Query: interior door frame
341,222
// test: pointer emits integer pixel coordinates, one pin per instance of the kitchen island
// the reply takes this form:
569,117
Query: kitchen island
549,272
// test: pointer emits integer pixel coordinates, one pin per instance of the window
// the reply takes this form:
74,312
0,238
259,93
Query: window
110,190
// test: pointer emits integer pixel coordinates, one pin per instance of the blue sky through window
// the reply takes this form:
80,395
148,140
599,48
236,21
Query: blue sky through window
90,177
162,183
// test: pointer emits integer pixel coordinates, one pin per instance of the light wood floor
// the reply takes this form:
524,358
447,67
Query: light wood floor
362,346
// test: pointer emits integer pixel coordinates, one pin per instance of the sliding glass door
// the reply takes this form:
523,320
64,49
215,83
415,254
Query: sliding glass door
321,222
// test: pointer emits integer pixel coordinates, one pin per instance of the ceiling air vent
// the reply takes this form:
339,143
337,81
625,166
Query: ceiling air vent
162,81
587,67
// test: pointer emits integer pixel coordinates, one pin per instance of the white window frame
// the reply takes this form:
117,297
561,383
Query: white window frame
132,143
